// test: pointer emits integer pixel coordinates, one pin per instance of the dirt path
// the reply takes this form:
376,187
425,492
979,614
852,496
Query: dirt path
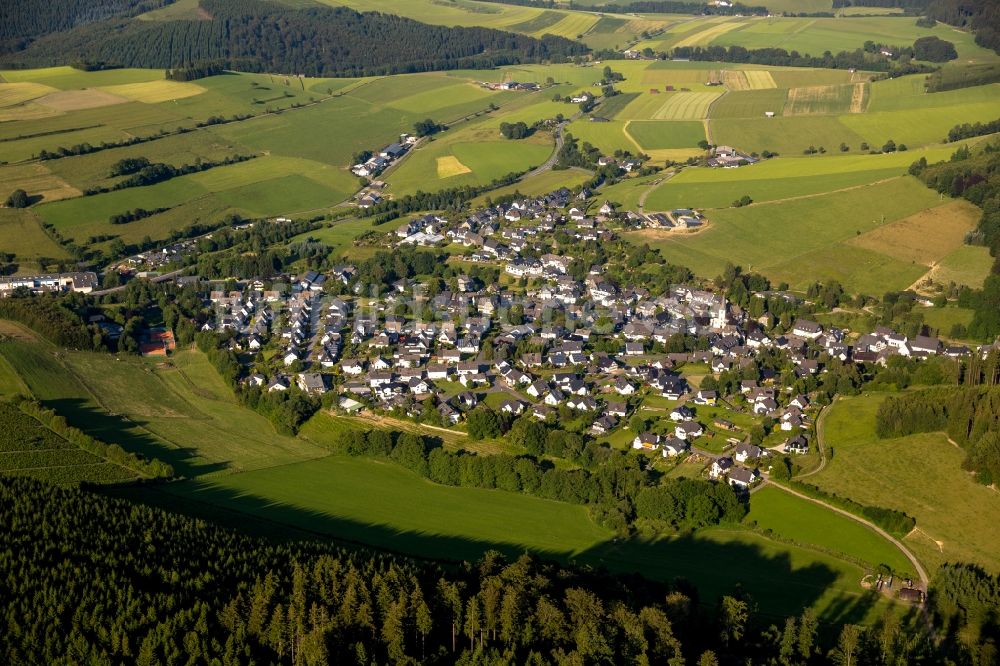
858,98
820,439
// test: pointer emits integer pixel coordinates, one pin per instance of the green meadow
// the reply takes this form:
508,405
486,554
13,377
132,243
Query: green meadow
803,522
805,239
921,475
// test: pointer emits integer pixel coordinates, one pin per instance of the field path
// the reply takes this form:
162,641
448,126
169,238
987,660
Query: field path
820,437
921,573
708,118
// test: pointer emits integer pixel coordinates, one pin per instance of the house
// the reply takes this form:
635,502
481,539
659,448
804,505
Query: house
797,444
624,386
688,430
515,407
278,384
720,467
311,382
352,366
706,398
681,413
804,328
673,446
647,441
742,477
746,451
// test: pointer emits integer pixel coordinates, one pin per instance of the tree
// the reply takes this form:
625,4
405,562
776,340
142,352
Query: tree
483,423
847,646
934,49
18,199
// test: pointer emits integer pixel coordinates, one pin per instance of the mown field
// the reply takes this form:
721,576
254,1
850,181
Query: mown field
920,475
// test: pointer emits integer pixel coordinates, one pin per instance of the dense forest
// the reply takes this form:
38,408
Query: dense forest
24,20
969,415
981,16
258,36
109,581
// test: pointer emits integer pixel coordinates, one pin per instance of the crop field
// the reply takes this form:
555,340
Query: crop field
654,134
926,237
685,106
921,475
826,100
804,522
28,448
572,26
154,92
708,33
804,239
918,126
457,13
448,166
68,78
537,23
796,77
77,100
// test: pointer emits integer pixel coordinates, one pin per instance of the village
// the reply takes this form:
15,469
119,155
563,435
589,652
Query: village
527,332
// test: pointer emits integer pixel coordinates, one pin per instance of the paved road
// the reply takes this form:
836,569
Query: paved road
553,158
158,278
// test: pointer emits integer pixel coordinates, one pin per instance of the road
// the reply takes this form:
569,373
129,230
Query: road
158,278
554,157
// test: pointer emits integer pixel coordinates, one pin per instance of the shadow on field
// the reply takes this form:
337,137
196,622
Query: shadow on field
127,433
716,565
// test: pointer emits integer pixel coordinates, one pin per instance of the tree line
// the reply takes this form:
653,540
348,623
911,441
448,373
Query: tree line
158,172
857,59
620,489
259,36
151,468
969,415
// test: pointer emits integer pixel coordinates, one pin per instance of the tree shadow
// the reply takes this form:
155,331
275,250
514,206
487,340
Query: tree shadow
779,586
128,434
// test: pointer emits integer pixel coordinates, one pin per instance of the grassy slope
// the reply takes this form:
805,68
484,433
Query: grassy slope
920,475
804,239
801,521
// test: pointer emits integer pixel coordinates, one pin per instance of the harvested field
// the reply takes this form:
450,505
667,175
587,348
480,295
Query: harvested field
760,79
735,80
686,106
448,166
17,93
155,92
36,180
859,98
925,237
820,100
75,100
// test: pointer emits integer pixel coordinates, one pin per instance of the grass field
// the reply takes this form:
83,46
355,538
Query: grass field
802,240
180,412
804,522
919,474
655,135
21,234
333,496
750,103
968,264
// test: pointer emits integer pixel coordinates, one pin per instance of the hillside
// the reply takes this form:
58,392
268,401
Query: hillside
22,21
316,41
